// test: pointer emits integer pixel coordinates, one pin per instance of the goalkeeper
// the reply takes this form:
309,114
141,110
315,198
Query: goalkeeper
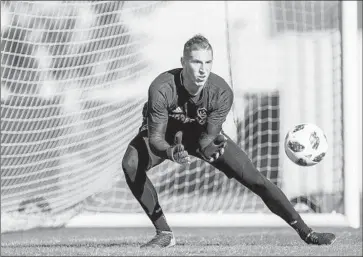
183,116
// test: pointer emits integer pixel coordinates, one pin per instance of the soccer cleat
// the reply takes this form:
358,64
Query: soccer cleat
316,238
162,239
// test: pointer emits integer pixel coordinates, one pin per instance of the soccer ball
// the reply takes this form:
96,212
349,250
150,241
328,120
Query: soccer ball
306,144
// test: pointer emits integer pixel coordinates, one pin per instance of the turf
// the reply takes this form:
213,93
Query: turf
190,241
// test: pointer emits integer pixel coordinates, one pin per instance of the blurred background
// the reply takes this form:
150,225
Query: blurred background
74,77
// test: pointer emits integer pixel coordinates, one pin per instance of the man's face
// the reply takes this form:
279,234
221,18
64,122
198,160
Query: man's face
197,66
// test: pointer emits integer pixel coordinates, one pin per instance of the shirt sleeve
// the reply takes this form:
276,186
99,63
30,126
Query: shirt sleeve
217,117
157,119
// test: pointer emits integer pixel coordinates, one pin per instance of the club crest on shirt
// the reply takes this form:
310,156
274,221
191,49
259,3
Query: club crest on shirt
201,115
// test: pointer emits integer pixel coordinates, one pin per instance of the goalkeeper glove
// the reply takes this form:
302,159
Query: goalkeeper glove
214,150
176,153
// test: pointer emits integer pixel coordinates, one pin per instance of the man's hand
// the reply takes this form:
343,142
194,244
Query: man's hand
214,150
176,152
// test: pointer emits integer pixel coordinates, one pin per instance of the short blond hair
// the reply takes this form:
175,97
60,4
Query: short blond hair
197,42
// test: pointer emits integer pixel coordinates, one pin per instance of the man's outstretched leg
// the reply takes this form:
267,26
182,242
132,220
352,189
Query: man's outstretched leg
235,163
136,162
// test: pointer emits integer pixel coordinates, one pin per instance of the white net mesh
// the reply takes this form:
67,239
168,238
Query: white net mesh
74,79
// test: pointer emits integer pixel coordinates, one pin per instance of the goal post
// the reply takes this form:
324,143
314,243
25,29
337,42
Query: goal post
352,97
74,80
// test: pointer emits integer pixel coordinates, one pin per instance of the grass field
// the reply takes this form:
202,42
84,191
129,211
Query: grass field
190,241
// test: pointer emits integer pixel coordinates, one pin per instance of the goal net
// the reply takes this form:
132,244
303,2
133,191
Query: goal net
74,78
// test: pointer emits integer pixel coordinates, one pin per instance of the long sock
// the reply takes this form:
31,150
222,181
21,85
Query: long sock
279,204
301,228
159,222
142,188
148,200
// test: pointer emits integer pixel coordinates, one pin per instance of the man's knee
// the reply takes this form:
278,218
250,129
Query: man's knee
130,163
258,183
